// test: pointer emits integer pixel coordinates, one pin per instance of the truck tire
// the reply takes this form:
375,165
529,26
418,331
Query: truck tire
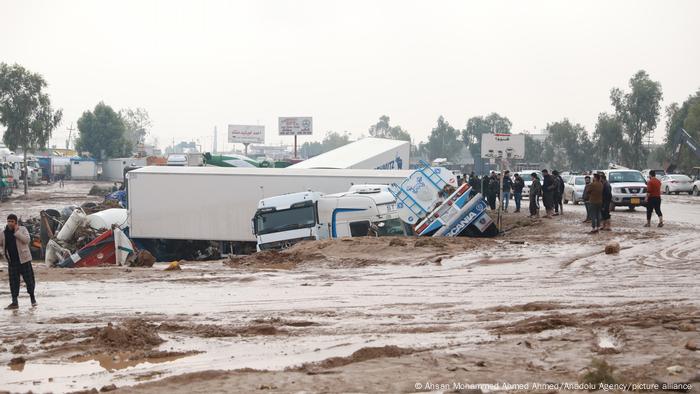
696,191
612,207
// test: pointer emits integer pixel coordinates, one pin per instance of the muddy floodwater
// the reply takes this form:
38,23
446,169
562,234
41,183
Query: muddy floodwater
541,304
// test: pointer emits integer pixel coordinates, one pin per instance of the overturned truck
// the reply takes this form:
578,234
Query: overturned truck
431,201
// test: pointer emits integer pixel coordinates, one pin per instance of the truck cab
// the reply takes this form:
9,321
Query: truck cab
282,221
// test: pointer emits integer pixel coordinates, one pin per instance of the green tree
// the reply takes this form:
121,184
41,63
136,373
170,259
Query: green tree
677,118
331,141
608,140
638,111
25,111
137,122
478,125
534,150
443,141
383,129
103,133
568,146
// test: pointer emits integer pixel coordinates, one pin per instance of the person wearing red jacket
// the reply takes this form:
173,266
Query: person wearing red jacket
654,199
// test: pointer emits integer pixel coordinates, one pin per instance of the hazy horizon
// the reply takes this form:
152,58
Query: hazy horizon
197,65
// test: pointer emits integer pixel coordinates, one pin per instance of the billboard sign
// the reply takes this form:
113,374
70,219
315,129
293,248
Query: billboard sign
295,125
502,146
246,134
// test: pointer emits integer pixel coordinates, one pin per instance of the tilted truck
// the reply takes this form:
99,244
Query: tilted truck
431,201
168,204
283,221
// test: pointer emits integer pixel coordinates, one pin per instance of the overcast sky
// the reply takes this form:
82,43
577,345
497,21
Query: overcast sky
195,65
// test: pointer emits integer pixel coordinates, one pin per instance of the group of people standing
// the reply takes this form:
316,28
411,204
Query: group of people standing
597,196
489,186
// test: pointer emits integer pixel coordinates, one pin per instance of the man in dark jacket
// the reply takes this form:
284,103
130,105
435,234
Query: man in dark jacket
586,198
558,193
493,190
548,189
535,193
507,186
15,243
518,185
474,182
607,200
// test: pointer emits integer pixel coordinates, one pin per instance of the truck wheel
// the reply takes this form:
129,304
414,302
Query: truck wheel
612,207
667,190
696,191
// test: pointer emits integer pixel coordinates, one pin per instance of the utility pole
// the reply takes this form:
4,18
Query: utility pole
70,133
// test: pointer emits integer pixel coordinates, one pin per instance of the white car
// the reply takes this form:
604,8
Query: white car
573,189
696,188
659,174
676,183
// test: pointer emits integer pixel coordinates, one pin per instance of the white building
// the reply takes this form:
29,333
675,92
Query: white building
83,169
113,169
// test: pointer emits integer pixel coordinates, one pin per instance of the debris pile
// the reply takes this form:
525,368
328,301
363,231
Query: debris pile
89,235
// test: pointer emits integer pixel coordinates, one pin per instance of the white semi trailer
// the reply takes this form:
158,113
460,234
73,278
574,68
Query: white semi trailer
217,203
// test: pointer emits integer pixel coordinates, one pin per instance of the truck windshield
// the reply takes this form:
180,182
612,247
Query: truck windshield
391,227
626,176
286,219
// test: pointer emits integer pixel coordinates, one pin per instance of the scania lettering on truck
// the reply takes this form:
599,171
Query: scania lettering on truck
282,221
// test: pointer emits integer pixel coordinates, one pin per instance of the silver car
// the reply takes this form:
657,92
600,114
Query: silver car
676,183
573,189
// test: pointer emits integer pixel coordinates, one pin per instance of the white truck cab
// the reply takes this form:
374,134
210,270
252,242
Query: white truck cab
284,220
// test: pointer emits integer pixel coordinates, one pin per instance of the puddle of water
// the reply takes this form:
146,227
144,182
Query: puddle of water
123,360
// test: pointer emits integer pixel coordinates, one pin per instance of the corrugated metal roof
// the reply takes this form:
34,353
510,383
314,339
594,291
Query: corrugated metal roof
351,154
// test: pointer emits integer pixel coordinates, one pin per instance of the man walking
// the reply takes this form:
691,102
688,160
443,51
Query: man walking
548,189
518,185
507,185
595,200
15,242
654,199
535,193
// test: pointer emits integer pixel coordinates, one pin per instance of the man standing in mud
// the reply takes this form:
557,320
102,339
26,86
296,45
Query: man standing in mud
595,200
535,192
607,200
518,185
654,199
548,189
15,243
586,202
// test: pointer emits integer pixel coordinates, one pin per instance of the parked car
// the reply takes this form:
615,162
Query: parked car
629,188
676,183
659,173
573,189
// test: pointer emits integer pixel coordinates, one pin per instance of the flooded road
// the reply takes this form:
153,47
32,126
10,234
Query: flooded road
540,283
